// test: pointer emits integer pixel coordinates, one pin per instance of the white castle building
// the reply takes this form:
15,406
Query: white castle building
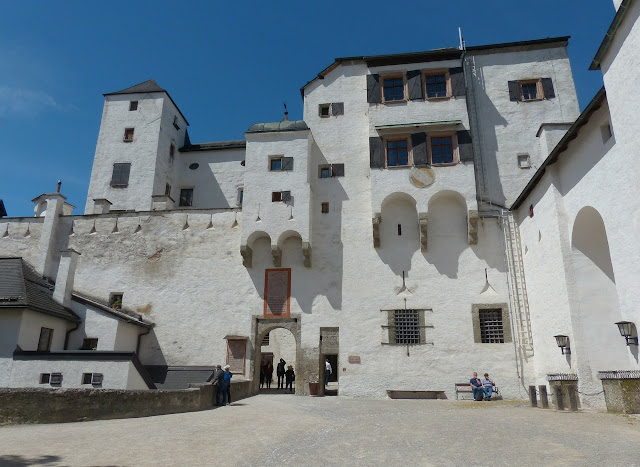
433,214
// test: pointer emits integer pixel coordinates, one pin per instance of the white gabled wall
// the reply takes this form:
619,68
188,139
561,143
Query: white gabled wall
31,325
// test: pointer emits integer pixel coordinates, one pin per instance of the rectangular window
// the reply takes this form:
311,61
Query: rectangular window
120,175
56,379
529,91
524,161
128,135
186,197
324,110
436,86
240,196
44,342
115,300
442,150
325,172
236,352
265,341
275,164
407,326
324,208
89,344
276,196
44,378
393,89
397,153
133,105
491,326
86,378
167,190
331,170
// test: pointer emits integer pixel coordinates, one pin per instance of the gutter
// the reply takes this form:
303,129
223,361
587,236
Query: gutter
140,339
611,32
66,336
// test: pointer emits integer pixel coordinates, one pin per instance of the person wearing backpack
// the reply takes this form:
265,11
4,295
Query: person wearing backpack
227,385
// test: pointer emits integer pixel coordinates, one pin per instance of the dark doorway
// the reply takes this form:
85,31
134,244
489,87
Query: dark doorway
333,360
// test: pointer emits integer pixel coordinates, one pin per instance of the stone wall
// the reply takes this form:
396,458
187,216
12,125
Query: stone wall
76,405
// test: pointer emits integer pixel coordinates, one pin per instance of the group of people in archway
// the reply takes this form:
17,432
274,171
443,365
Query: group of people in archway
285,377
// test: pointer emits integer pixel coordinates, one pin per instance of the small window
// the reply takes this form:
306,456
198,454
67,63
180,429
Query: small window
399,229
276,196
96,379
167,190
331,170
240,196
86,378
128,135
524,161
115,300
44,342
275,164
120,175
175,123
397,153
442,150
56,379
491,326
45,378
529,91
531,210
406,326
606,132
393,89
265,341
325,172
133,105
436,86
172,150
324,110
186,197
89,344
324,208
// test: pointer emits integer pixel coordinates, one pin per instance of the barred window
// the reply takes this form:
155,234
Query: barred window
491,328
407,326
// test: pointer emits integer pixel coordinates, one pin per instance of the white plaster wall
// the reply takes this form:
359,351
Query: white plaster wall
9,331
127,337
31,325
275,217
134,380
141,153
508,128
112,333
215,182
116,374
283,345
16,243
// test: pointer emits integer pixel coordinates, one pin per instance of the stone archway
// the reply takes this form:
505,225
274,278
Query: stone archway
260,327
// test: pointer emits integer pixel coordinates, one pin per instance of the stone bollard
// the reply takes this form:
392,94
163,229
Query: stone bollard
532,396
573,398
544,399
557,392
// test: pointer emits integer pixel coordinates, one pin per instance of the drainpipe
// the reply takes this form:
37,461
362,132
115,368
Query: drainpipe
66,336
140,339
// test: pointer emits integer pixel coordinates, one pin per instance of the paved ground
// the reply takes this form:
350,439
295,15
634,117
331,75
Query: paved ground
280,430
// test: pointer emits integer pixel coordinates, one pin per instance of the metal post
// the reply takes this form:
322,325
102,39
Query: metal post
532,396
544,399
557,392
573,398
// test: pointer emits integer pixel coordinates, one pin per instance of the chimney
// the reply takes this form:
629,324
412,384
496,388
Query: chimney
286,113
101,206
66,273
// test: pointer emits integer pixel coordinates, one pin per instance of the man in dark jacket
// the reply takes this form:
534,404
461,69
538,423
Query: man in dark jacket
218,382
280,373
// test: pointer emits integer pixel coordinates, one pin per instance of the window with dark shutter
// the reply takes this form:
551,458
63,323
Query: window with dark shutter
337,108
514,91
547,88
376,152
374,96
286,196
456,75
337,170
86,378
419,146
120,176
324,171
275,164
276,196
287,163
465,145
414,83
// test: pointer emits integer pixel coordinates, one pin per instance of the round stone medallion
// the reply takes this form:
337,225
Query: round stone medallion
422,177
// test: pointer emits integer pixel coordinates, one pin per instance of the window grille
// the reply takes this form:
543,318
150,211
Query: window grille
491,328
265,340
407,326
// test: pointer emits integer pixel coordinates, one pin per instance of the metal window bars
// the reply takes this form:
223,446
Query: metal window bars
407,326
491,326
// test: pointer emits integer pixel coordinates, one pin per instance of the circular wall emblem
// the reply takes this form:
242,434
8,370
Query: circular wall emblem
422,177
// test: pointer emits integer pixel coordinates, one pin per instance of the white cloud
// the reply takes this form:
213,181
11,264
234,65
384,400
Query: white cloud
24,103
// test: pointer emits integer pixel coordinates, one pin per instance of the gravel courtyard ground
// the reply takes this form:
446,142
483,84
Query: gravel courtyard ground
270,430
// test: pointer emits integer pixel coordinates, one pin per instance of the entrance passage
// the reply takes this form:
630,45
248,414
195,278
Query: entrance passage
277,344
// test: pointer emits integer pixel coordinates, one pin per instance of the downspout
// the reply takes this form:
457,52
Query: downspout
66,336
140,339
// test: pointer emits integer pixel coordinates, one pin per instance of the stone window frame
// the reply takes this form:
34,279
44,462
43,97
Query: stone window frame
528,82
405,93
524,161
391,138
321,110
506,321
390,326
447,80
45,333
128,134
454,147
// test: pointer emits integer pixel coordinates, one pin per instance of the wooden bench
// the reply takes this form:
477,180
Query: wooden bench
465,388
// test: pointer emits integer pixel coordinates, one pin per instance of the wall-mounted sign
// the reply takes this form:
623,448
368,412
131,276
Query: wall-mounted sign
277,292
354,358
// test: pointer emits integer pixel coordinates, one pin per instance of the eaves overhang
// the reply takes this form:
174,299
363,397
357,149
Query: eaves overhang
611,32
443,124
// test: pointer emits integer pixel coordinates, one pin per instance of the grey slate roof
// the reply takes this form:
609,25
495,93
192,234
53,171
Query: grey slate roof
22,287
274,127
215,146
147,86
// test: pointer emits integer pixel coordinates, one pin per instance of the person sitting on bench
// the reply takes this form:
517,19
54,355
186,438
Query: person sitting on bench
476,385
487,386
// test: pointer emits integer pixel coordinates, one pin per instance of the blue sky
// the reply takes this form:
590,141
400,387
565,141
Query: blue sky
226,64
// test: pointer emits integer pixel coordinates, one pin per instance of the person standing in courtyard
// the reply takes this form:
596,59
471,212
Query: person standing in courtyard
476,387
218,382
327,372
280,373
268,373
487,386
227,383
290,377
263,364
